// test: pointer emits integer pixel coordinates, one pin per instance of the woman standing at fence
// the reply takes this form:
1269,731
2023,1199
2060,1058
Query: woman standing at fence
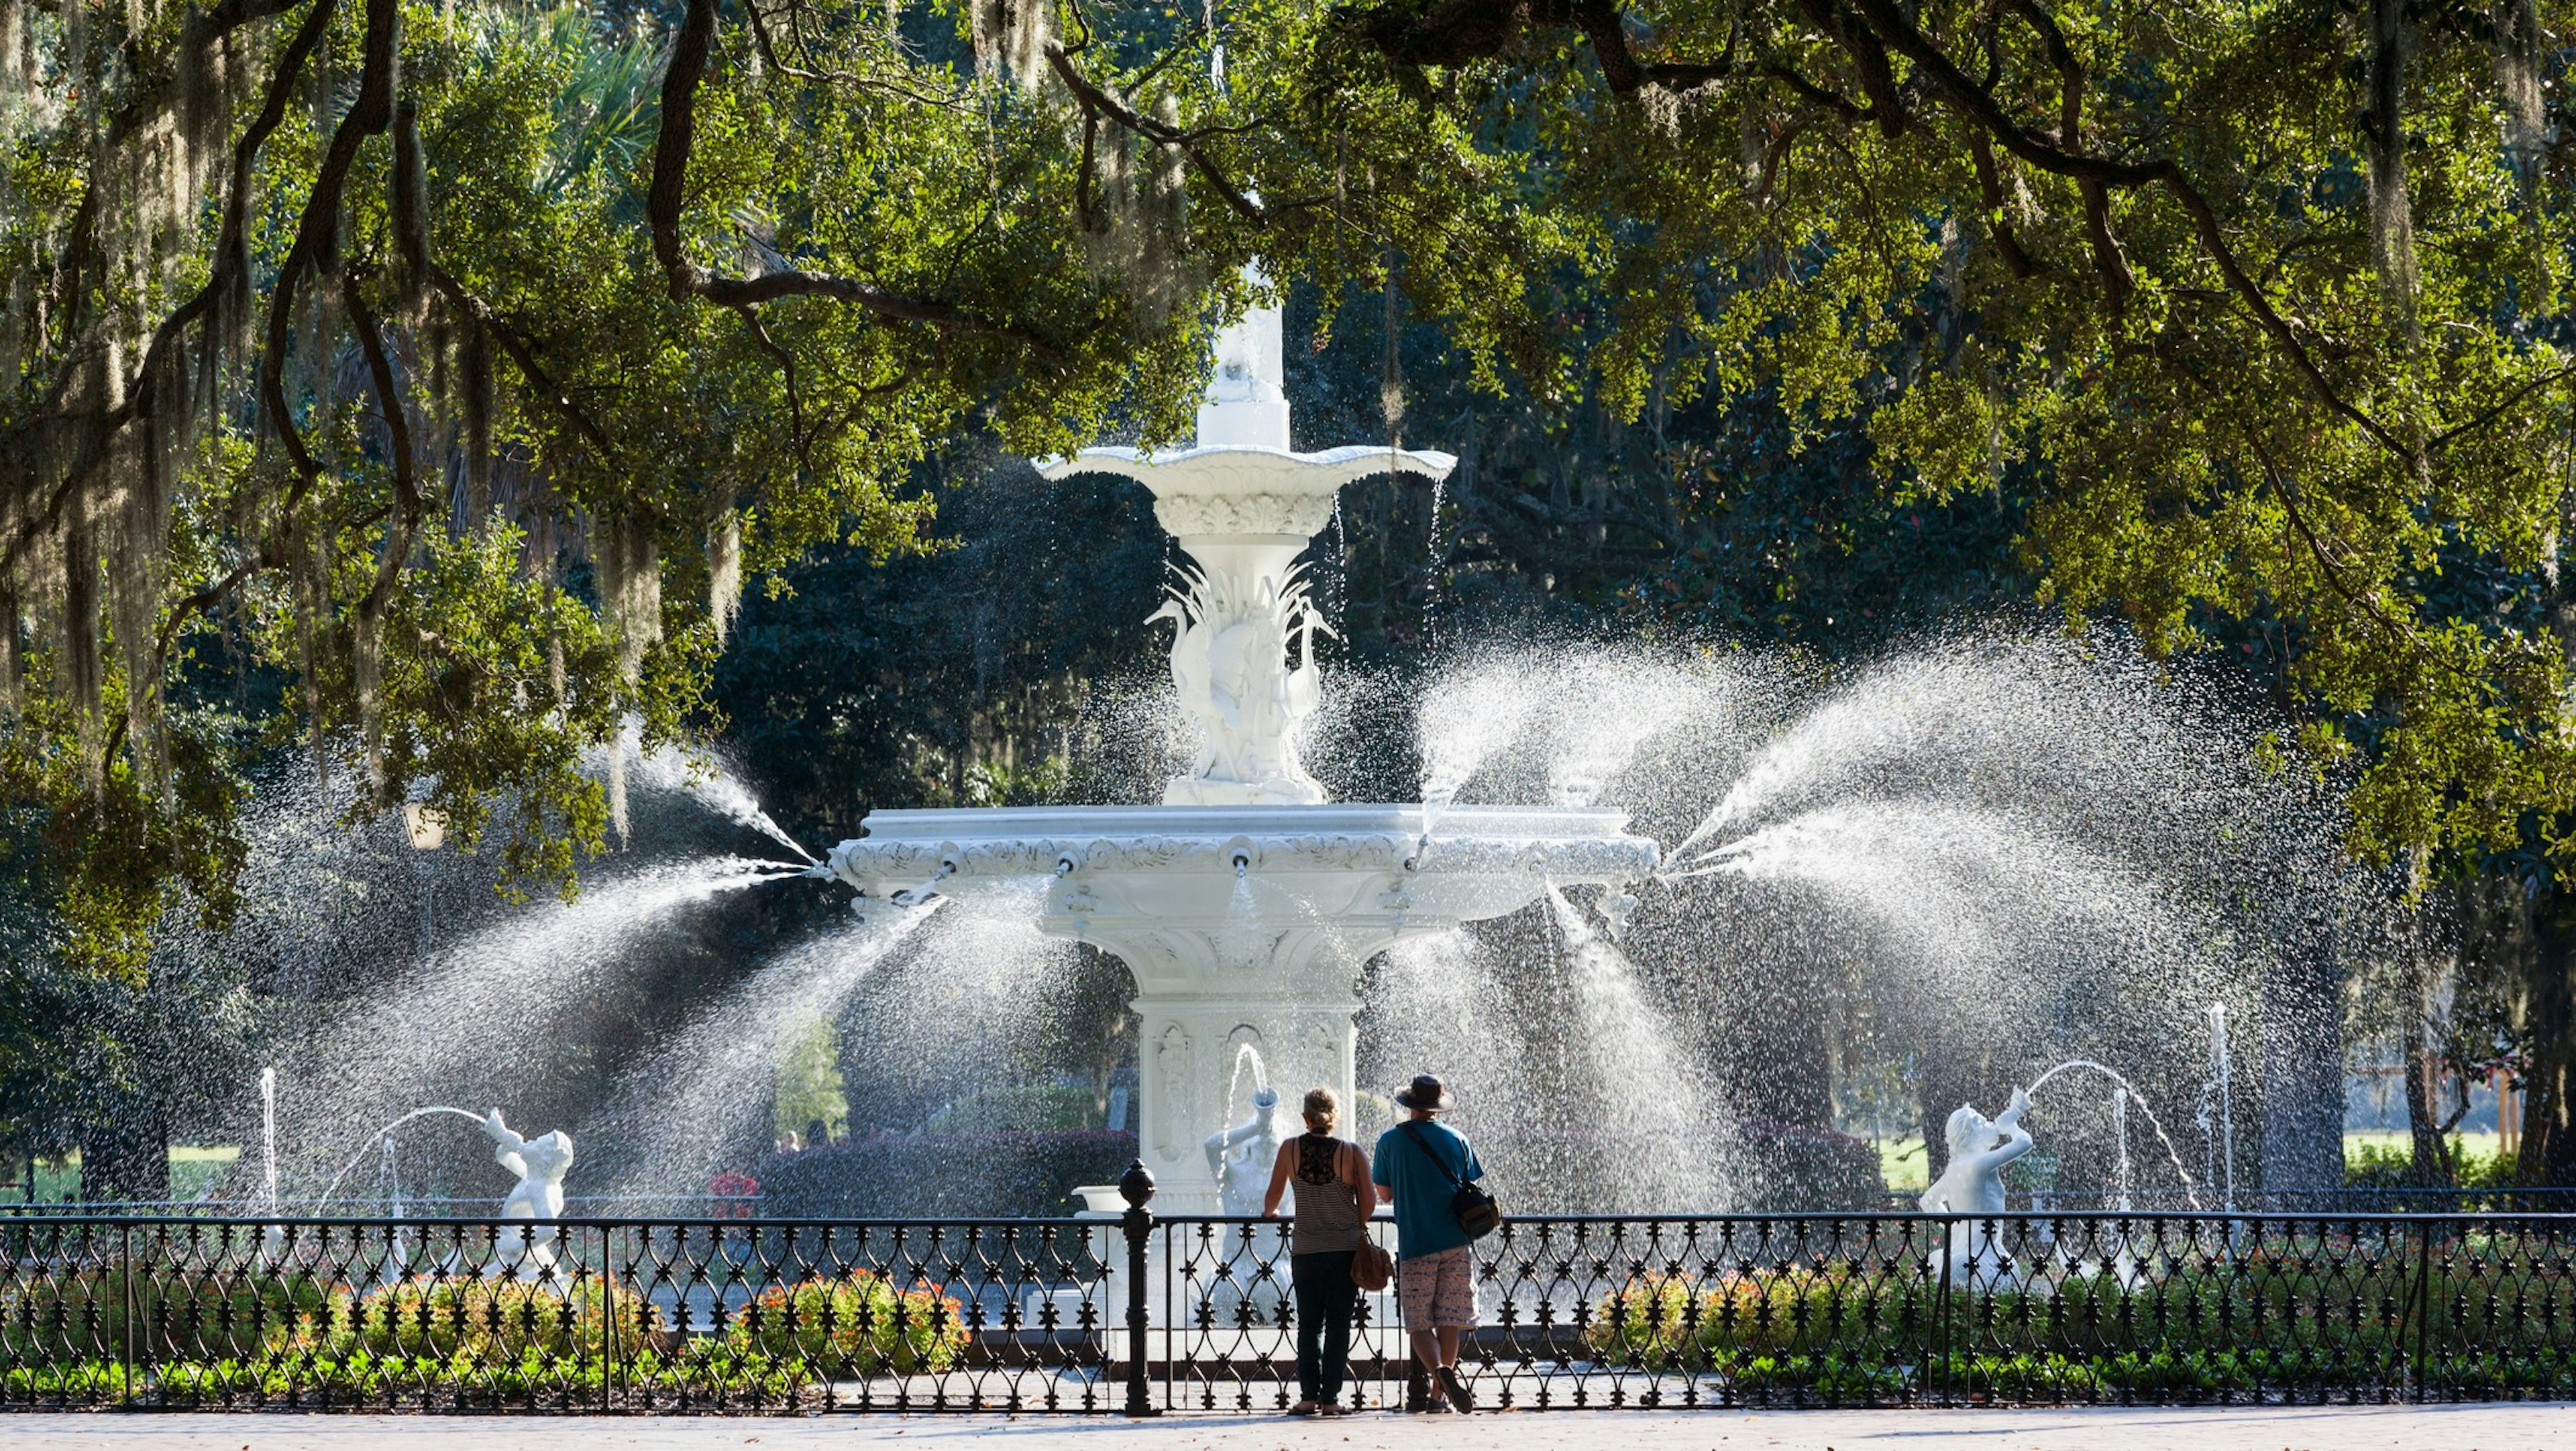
1334,1201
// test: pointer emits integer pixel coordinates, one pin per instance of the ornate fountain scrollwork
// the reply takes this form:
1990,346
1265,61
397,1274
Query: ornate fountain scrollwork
1243,661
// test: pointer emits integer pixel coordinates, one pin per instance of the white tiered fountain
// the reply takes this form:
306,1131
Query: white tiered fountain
1245,904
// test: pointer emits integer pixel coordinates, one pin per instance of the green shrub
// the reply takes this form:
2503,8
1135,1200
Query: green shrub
2392,1166
1660,1322
81,1382
474,1321
67,1317
2491,1310
856,1325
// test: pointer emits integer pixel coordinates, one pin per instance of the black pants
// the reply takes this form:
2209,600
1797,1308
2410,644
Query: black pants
1325,1299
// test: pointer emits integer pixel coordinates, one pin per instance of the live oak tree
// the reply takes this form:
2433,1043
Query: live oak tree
451,366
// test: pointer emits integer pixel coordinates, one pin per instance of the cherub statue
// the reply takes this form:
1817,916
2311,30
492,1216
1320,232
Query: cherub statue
540,1164
1240,1157
1972,1183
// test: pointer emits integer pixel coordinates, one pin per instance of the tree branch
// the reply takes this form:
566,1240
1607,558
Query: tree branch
317,233
408,505
2118,282
787,368
523,357
1990,187
667,197
1979,105
2410,639
1109,103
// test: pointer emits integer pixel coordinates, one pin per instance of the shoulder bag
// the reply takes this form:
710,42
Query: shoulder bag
1474,1209
1371,1266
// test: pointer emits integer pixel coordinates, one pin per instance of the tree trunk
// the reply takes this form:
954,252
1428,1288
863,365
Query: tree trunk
2303,1068
2547,1156
2431,1151
2548,1006
125,1153
2548,1000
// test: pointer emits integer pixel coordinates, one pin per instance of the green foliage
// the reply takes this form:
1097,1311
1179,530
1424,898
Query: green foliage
471,1321
809,1082
2315,1312
958,676
172,1313
2238,346
2392,1166
859,1324
439,413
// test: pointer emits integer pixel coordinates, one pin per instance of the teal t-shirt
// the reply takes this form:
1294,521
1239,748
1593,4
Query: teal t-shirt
1423,1224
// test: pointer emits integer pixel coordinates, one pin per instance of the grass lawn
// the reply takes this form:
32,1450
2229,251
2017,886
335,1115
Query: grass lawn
1903,1163
2483,1145
194,1168
1905,1166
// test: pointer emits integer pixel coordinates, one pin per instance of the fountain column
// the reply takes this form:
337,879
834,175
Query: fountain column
1198,1005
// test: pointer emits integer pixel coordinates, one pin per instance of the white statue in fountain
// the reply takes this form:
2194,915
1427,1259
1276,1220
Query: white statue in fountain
1245,673
1972,1183
540,1164
1240,1157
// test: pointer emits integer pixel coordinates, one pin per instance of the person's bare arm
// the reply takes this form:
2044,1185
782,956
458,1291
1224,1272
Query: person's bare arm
1280,1169
1357,1171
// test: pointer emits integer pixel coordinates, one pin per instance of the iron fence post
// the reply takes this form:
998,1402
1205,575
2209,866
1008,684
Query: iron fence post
607,1326
1940,1355
1136,1186
2423,1298
129,1351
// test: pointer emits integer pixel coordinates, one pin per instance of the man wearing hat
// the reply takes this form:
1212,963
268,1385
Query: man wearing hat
1419,1165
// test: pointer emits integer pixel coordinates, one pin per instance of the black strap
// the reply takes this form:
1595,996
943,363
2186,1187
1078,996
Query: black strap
1413,1130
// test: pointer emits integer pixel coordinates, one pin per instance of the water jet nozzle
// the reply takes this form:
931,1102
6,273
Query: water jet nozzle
1242,863
916,896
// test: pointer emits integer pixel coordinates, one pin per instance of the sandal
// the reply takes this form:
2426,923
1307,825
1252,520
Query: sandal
1305,1408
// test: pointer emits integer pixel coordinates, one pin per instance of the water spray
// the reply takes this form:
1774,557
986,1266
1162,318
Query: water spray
2126,1094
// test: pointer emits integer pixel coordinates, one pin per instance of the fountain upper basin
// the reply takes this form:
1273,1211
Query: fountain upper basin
1180,890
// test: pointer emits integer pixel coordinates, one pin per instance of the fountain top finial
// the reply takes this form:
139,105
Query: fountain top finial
1240,483
1246,403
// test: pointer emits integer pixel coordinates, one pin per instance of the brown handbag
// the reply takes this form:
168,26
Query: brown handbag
1372,1267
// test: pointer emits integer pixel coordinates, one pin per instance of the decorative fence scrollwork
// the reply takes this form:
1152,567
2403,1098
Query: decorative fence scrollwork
1137,1314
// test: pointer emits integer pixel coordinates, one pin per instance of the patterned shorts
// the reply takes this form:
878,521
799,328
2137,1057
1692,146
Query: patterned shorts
1437,1291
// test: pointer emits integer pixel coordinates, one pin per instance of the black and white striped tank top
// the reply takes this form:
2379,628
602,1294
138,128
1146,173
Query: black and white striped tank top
1328,1210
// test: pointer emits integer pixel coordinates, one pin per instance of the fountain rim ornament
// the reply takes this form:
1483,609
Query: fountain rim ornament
905,856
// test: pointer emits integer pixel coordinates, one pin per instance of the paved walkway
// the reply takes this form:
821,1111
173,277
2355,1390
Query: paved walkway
2367,1428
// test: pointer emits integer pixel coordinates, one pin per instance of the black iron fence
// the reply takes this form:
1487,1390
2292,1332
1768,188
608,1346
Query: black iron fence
2311,1203
1143,1314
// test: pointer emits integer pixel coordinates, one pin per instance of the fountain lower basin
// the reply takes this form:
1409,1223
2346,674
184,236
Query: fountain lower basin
1243,924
